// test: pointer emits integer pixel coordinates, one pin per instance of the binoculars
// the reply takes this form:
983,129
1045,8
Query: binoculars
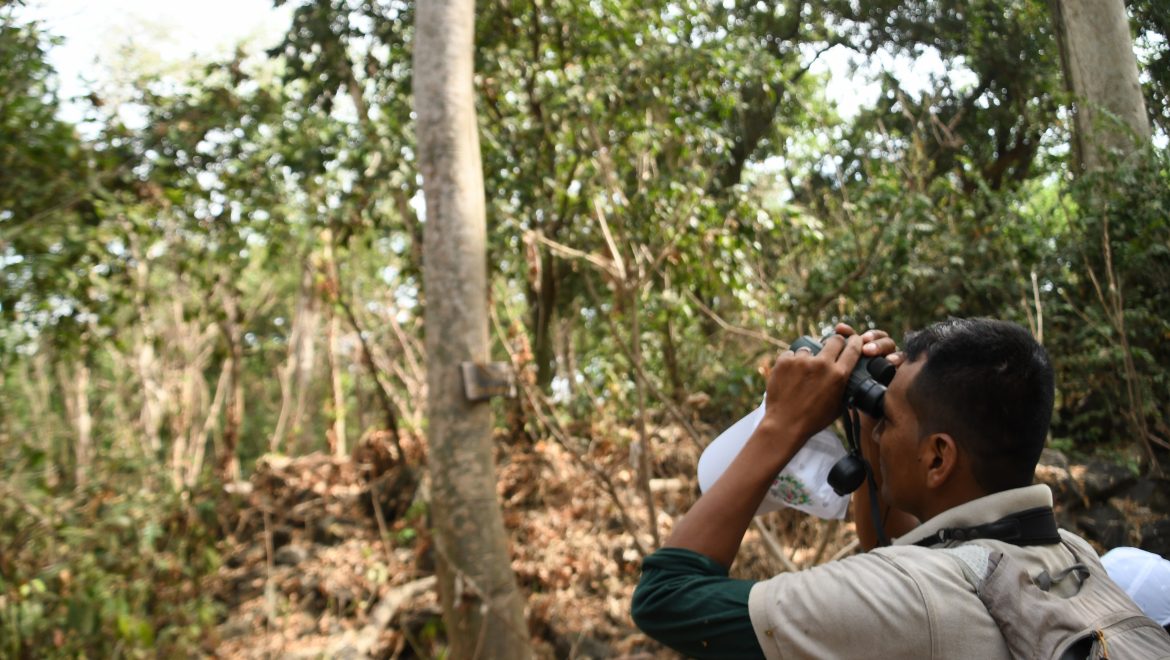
865,391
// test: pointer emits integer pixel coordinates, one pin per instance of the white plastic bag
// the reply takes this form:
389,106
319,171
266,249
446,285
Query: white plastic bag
802,484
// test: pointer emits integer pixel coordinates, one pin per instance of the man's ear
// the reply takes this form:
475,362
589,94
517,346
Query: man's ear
940,455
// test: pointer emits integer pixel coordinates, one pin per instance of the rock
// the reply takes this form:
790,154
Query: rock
343,652
672,485
1104,524
393,492
589,647
1057,473
1104,479
328,531
577,645
291,555
1060,480
1054,458
233,628
1151,492
281,536
242,488
1156,537
309,585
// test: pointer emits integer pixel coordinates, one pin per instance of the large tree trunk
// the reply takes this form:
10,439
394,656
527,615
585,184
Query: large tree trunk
482,606
1100,69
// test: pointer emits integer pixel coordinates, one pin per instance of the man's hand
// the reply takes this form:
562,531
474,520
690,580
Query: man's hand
876,342
805,391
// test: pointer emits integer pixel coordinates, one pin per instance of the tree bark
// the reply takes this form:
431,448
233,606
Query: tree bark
1100,69
381,390
233,332
75,395
337,442
542,300
295,375
482,606
203,435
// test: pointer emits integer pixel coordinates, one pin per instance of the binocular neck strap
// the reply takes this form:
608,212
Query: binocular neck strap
1029,527
853,436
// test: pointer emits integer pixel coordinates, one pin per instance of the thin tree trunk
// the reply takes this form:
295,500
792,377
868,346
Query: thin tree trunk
293,376
84,424
183,385
482,606
568,358
122,392
75,394
645,458
381,389
233,332
306,367
42,394
36,393
542,301
199,442
151,415
337,441
678,390
146,363
337,432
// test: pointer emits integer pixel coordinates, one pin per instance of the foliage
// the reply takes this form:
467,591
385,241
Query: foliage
1151,22
105,573
1113,287
44,208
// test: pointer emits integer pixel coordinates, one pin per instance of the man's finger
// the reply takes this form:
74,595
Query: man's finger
831,349
851,351
879,346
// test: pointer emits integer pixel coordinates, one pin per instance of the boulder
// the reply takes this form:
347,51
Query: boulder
1151,492
1156,537
1104,479
291,555
1104,524
1053,471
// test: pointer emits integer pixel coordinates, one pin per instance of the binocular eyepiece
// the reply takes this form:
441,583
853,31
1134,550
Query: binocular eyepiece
865,391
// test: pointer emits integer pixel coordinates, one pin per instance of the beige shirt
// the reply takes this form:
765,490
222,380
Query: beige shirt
902,601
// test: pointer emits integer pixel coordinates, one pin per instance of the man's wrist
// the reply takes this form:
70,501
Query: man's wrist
779,440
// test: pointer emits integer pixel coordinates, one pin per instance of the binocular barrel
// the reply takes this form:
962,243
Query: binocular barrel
867,384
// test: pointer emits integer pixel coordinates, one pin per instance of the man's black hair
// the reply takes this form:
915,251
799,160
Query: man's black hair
989,384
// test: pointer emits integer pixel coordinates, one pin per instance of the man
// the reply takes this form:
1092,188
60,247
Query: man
964,422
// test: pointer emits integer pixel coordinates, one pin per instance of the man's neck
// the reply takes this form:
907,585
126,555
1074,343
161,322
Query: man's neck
944,499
